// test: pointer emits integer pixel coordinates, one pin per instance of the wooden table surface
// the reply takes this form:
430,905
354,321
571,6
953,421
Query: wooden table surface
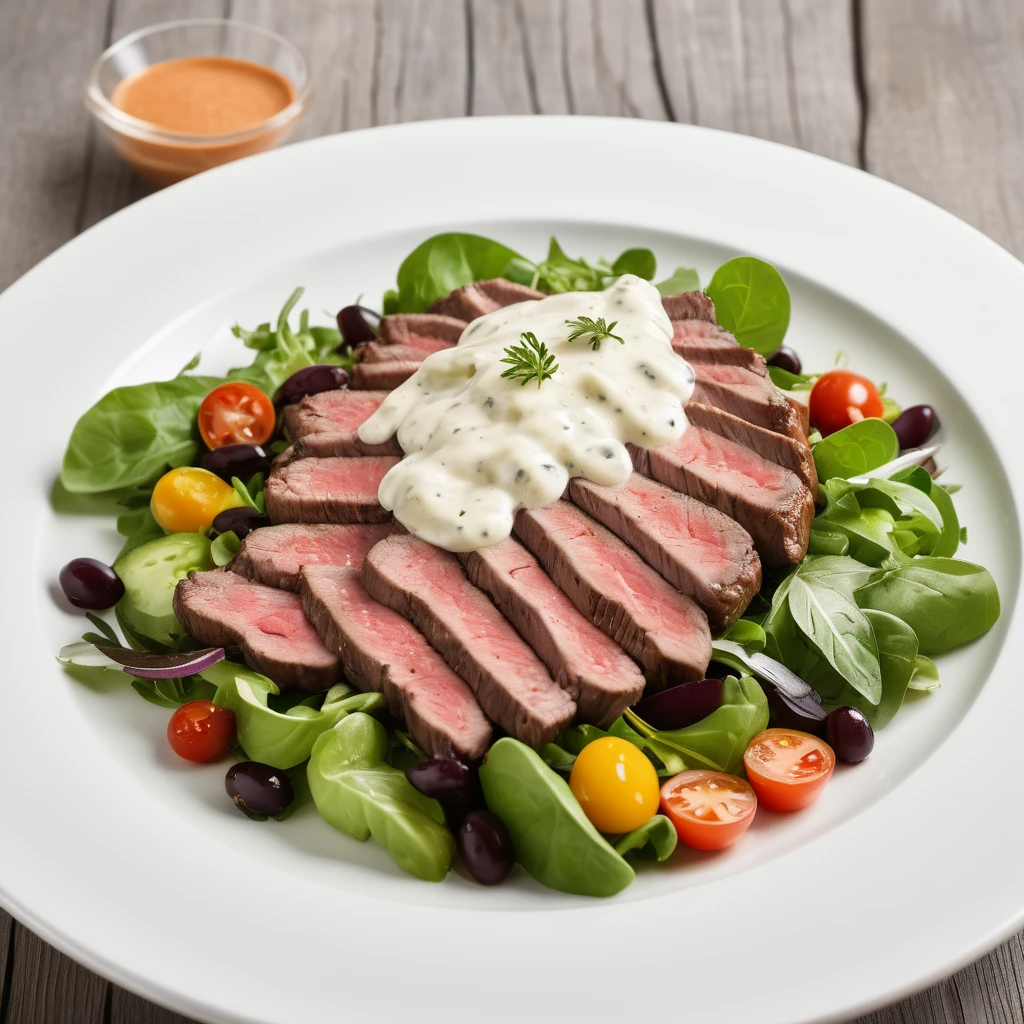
926,93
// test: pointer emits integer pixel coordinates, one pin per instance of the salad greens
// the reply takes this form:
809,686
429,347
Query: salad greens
752,301
359,793
553,839
656,839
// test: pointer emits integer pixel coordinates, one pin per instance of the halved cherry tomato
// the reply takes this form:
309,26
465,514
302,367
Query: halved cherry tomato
236,414
201,731
616,785
710,810
788,769
841,397
188,499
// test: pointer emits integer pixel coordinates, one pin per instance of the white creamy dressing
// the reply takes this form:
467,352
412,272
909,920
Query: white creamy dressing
479,447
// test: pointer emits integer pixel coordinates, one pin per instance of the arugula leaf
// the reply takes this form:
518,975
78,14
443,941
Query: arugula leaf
945,601
856,450
752,301
683,279
448,261
133,434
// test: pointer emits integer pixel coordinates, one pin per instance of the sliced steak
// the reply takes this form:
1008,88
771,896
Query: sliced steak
219,608
778,448
689,306
473,300
427,332
699,341
427,586
771,503
747,395
591,667
274,555
335,490
378,352
328,424
619,592
698,549
381,651
382,376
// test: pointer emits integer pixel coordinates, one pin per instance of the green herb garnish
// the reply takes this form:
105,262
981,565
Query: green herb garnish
529,360
597,329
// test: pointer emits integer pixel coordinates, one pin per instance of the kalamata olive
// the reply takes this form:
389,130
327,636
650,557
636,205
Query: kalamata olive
241,460
915,425
241,520
354,326
849,734
88,583
442,778
788,712
486,847
258,788
311,381
786,359
682,705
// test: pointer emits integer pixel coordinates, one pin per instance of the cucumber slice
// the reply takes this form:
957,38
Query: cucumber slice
150,573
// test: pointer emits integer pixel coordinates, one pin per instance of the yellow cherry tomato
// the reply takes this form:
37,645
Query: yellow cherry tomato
186,500
616,785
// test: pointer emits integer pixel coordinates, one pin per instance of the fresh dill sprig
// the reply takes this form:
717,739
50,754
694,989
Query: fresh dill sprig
530,360
597,329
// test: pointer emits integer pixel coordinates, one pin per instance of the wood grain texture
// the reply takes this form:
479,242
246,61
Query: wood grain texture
944,85
944,82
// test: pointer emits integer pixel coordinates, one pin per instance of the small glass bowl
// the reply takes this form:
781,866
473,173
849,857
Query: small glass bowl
165,156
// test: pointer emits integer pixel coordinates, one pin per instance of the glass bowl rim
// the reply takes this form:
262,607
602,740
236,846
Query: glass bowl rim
126,124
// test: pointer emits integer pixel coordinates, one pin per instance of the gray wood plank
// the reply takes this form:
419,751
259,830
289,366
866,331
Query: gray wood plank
127,1008
6,954
46,48
945,95
48,988
778,69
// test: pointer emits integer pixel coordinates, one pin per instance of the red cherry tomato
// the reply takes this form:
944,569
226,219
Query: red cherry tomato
201,731
236,414
840,398
788,769
710,810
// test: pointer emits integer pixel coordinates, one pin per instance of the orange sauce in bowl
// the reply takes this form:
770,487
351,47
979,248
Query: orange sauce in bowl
200,96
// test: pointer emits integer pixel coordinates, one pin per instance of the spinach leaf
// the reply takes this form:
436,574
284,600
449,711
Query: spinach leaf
786,381
839,630
945,601
133,434
225,547
750,634
897,653
655,839
552,837
636,261
925,677
718,741
359,793
752,301
856,450
137,527
683,279
448,261
282,351
557,757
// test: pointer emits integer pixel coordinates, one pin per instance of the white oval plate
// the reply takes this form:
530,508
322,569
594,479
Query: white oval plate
137,865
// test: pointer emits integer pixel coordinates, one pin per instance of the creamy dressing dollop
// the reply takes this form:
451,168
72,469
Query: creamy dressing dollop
479,446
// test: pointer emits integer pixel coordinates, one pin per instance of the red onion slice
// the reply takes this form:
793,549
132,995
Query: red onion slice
143,664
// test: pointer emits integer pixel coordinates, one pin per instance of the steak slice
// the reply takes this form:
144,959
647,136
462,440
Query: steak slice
784,451
699,341
328,423
382,376
473,300
335,490
689,306
381,651
274,555
747,395
698,549
771,503
427,332
378,352
592,668
619,592
427,586
219,608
